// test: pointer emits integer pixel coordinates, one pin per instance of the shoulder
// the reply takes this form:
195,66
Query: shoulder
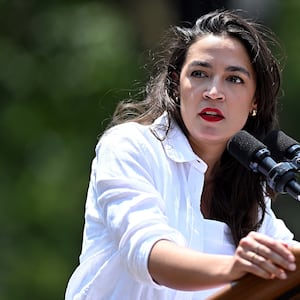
129,150
126,133
125,129
129,141
137,134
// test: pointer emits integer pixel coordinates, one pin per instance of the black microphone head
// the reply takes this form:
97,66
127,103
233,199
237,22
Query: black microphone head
279,144
243,147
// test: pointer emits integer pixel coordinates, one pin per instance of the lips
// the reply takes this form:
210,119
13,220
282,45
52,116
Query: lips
211,114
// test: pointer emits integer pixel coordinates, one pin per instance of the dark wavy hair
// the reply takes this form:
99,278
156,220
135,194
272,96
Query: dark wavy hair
239,195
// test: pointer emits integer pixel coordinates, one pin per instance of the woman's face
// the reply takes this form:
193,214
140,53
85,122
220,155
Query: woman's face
216,88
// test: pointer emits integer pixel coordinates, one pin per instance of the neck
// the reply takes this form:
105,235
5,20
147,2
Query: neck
211,154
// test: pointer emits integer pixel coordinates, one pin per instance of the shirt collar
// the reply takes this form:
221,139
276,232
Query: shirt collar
176,144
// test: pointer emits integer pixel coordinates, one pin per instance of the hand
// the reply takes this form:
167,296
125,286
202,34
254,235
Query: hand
264,256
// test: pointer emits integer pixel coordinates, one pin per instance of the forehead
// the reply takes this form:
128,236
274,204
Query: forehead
217,46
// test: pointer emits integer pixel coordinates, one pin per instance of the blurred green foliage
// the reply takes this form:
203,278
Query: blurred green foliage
63,67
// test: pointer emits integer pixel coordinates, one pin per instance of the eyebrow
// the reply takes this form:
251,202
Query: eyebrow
229,68
238,69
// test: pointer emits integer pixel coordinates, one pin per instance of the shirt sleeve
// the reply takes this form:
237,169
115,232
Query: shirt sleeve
132,207
275,227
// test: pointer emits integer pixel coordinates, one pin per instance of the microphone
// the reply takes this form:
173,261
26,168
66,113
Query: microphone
255,156
283,147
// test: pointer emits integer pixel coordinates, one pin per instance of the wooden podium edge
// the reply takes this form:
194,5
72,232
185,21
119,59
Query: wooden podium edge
254,287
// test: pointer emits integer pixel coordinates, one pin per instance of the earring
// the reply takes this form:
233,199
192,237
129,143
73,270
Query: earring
254,113
177,100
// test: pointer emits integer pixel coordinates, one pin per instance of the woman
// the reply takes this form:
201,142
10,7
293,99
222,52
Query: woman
169,213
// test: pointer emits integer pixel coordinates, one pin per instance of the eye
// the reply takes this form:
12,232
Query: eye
198,74
235,79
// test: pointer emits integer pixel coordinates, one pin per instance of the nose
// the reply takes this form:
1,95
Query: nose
213,93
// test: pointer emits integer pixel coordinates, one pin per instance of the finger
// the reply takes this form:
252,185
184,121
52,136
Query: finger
266,267
258,242
272,256
265,256
252,263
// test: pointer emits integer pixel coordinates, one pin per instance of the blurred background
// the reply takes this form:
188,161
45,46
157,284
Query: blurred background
63,67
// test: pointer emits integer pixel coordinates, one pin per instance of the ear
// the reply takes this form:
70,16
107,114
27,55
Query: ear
253,110
253,106
175,78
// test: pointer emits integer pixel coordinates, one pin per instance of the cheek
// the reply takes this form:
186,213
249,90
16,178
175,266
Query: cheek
187,115
189,98
240,113
244,103
184,111
242,118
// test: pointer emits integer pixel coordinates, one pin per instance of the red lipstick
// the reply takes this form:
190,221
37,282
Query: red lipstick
211,114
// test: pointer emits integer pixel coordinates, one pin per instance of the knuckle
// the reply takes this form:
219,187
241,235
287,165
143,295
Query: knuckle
244,242
239,251
252,234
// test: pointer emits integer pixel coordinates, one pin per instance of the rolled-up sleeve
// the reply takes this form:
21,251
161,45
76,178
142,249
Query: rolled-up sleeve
132,207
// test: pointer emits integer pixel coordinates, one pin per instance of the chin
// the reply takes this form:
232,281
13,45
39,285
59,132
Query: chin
212,138
212,134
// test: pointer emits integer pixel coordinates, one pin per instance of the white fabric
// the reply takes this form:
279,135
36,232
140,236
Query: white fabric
143,190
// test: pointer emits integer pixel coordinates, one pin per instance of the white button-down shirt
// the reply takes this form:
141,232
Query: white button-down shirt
143,190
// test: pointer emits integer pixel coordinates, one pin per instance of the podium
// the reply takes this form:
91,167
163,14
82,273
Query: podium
254,287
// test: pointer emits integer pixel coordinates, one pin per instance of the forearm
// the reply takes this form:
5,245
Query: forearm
185,269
